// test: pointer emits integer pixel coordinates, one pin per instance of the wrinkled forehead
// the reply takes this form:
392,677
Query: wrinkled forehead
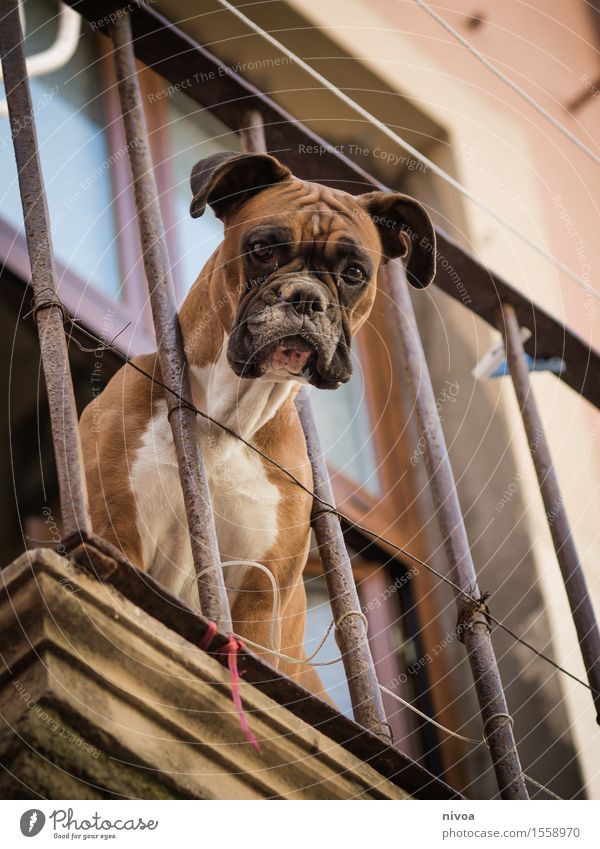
312,214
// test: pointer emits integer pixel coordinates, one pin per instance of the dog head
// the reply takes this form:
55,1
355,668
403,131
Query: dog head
299,264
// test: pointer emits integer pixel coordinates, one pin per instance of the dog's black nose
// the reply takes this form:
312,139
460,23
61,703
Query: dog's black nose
306,298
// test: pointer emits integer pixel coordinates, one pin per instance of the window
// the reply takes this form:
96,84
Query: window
387,601
318,619
84,158
345,428
193,133
87,177
75,156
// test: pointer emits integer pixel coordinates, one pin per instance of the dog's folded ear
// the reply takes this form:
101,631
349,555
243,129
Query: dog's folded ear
406,231
225,180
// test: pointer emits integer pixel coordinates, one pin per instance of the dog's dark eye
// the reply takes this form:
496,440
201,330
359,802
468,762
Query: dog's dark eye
354,274
261,251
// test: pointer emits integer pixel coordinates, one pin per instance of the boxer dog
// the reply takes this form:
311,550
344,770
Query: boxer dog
276,306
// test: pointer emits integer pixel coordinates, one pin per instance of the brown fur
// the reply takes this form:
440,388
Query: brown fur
111,432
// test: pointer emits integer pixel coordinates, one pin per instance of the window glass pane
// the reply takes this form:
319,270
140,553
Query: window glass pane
194,134
345,429
318,619
76,161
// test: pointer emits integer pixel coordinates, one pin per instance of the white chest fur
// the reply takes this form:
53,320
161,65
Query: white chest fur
244,501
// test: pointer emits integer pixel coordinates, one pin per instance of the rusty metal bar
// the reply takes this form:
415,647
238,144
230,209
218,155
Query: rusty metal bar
351,631
582,609
47,308
171,357
473,623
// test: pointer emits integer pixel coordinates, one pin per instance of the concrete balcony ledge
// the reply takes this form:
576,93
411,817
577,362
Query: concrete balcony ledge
100,699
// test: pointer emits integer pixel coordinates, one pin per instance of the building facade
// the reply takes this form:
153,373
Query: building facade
397,62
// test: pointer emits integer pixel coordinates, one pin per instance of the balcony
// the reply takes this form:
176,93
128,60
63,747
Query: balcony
68,618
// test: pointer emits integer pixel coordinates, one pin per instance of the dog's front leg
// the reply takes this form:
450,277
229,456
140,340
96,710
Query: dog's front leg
255,614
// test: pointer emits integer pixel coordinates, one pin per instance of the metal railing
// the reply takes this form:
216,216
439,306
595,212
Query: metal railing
351,631
171,356
582,610
48,310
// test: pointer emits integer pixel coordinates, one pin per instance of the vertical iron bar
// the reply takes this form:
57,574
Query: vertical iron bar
475,630
47,308
171,358
582,609
351,632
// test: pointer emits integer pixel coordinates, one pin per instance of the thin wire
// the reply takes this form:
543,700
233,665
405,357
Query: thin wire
275,615
309,661
430,719
472,740
330,507
543,787
510,83
368,116
276,607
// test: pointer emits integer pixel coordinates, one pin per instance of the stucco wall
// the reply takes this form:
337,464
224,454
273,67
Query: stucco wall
510,157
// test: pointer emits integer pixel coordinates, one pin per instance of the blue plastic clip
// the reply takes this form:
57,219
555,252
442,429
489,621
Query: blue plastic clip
554,364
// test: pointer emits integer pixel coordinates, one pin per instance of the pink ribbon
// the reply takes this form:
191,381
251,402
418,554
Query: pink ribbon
231,650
